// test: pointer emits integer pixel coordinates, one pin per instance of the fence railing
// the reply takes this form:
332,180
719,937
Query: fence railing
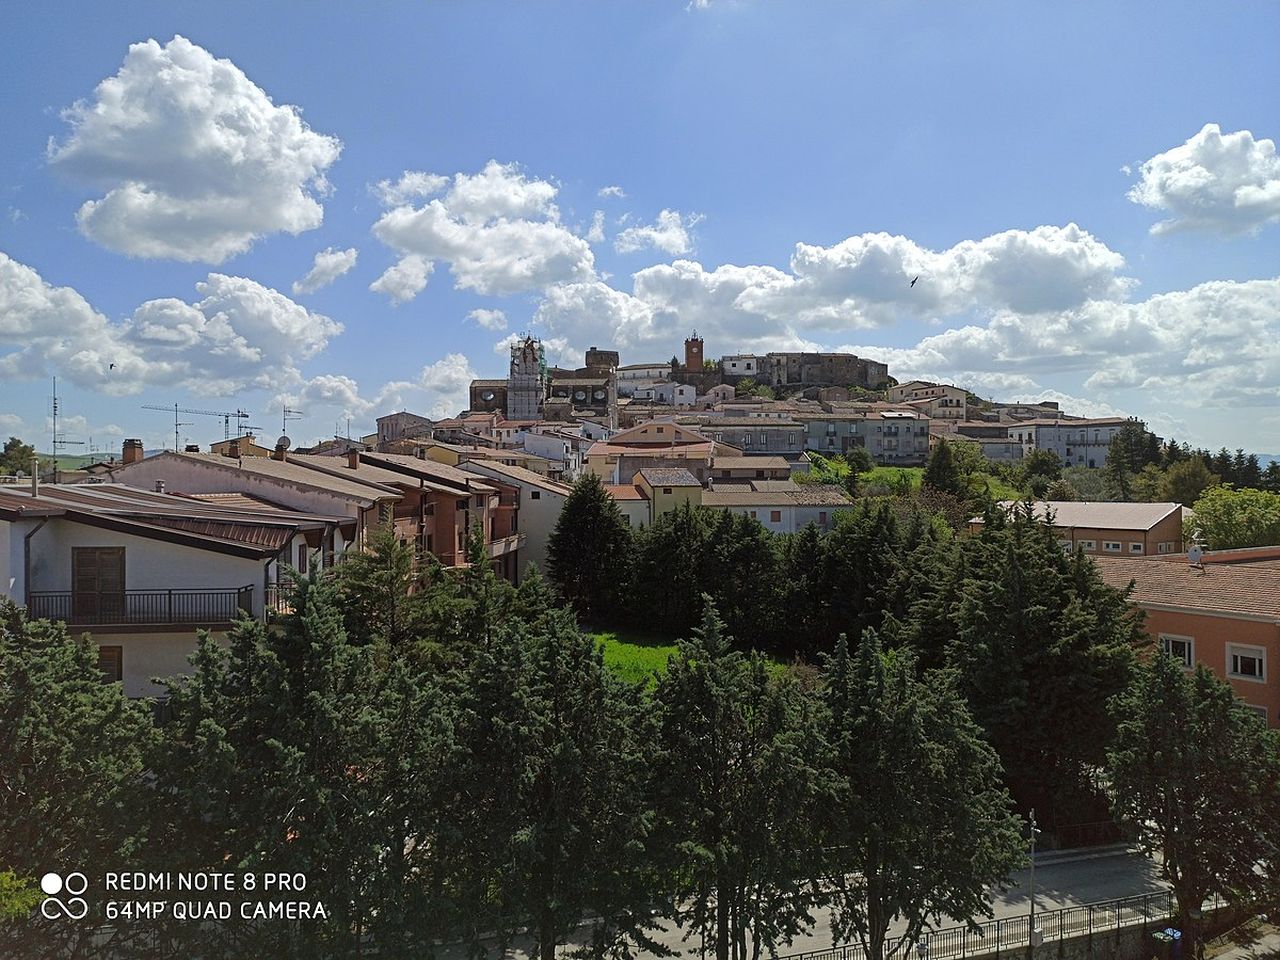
1012,933
198,606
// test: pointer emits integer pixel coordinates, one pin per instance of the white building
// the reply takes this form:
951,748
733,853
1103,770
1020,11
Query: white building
541,501
740,365
635,375
786,510
142,571
1077,443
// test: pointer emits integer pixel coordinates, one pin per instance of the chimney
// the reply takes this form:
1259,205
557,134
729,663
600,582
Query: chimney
132,452
159,486
353,458
233,448
281,451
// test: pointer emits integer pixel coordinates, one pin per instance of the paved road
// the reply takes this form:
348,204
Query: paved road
1057,885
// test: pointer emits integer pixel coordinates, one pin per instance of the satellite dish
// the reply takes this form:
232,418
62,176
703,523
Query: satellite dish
1195,556
284,441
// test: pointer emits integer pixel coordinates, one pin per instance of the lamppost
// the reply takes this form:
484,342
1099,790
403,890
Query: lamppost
1034,937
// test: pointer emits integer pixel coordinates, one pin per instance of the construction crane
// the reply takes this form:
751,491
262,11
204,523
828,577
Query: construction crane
239,416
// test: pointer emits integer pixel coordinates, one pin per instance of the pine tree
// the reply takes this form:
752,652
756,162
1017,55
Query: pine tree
549,805
736,781
670,569
588,553
941,472
72,776
1186,480
919,824
1197,775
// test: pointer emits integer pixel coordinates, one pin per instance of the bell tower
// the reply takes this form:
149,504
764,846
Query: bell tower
693,353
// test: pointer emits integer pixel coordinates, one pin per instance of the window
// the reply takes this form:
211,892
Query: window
666,490
111,663
1111,546
1260,711
1247,663
753,514
822,516
1180,648
1166,547
1088,544
746,440
662,429
1135,548
719,436
775,516
535,494
479,502
763,440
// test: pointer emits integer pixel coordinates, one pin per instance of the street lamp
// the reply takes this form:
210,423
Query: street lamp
1035,937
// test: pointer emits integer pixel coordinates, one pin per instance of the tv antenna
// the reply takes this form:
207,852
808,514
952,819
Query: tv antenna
238,415
57,439
287,413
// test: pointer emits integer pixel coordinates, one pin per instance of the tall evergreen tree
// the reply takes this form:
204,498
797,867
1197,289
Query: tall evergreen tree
736,780
548,802
1040,645
1186,480
919,824
669,570
588,553
72,777
942,472
1197,775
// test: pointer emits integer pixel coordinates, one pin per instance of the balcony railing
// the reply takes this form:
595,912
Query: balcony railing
202,606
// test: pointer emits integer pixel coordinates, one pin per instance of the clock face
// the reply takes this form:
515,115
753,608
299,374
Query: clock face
580,395
487,395
599,394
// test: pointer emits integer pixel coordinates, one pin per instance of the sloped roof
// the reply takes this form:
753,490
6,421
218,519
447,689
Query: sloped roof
1240,589
1100,515
669,477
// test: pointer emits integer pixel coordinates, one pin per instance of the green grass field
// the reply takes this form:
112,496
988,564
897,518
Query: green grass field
633,656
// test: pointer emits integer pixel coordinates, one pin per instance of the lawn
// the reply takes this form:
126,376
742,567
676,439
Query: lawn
633,656
887,475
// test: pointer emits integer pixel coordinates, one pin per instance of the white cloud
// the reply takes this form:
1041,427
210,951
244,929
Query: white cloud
404,279
499,231
412,185
328,266
1211,346
596,233
12,423
196,160
861,282
488,319
1228,183
612,191
669,233
240,334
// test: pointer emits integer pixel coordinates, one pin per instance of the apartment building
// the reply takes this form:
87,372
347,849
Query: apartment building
895,437
540,503
1077,443
782,507
754,436
1110,529
727,470
1223,613
142,571
938,401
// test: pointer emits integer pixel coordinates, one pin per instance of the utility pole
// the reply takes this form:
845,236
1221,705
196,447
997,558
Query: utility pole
1034,936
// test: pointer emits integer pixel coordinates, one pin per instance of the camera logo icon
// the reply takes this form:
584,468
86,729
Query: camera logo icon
74,907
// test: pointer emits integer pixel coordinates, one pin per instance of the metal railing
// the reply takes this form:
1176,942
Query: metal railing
1012,933
200,606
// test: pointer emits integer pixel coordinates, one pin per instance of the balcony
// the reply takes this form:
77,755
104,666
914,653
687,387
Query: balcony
141,607
501,546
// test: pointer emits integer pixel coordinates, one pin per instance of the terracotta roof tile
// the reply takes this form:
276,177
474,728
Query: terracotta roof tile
1243,589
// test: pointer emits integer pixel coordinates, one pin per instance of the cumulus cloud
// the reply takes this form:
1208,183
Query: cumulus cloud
612,191
498,230
404,279
488,319
1212,345
1227,183
196,160
328,266
669,233
412,185
239,334
861,282
596,232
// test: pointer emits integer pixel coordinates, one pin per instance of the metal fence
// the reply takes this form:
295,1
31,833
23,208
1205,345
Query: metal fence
195,606
1013,933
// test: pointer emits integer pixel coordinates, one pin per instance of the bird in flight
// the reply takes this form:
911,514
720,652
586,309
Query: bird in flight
913,282
111,366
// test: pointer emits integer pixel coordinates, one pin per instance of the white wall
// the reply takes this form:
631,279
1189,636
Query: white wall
147,655
537,517
7,576
149,564
183,475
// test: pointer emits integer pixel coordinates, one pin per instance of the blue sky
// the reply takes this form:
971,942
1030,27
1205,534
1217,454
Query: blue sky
958,142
